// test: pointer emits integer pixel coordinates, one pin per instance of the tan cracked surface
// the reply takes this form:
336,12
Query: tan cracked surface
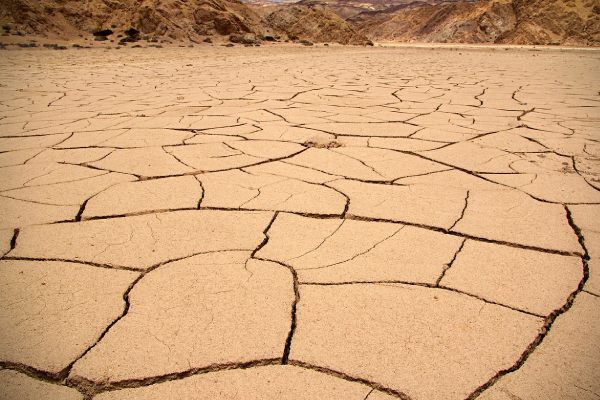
284,223
267,382
214,308
66,304
566,364
14,385
138,197
430,344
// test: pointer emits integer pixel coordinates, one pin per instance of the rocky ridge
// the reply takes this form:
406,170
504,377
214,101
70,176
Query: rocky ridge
315,21
169,20
537,22
522,22
156,18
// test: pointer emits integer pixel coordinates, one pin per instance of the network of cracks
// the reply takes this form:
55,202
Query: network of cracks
299,224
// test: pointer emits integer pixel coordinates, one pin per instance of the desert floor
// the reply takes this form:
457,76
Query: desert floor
300,223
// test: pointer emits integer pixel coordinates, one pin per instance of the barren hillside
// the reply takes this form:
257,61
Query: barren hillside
573,22
165,18
313,22
191,20
559,22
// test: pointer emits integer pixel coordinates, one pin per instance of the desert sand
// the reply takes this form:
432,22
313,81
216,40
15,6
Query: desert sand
300,223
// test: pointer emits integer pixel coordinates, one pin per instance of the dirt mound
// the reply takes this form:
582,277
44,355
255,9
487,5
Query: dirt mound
572,22
175,19
313,22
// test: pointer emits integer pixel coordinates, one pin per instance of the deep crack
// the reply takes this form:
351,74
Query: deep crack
550,319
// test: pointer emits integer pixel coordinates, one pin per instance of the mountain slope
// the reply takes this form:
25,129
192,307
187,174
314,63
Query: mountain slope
169,18
189,20
556,22
313,22
569,22
573,22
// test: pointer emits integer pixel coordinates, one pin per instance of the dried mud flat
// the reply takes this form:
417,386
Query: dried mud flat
286,223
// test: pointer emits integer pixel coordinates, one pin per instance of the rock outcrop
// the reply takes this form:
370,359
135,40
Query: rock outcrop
313,22
173,19
570,22
189,21
538,22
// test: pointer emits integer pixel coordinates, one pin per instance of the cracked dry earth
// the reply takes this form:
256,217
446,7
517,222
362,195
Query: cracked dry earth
285,223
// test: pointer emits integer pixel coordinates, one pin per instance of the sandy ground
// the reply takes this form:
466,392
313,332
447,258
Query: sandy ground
300,223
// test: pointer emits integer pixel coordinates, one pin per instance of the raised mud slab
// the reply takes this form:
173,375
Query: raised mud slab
300,223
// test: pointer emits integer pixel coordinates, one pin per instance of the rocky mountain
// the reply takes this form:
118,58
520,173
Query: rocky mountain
566,22
573,22
175,19
179,20
543,22
349,8
312,21
344,9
